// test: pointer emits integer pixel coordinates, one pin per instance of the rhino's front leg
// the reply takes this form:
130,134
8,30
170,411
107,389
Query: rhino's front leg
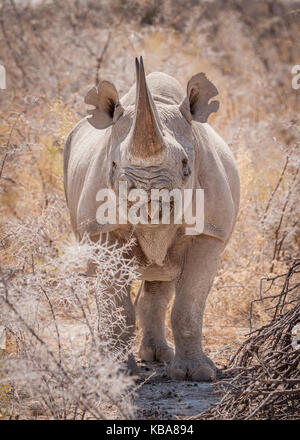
192,288
118,306
151,305
122,335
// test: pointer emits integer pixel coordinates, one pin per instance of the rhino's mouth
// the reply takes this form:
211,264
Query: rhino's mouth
156,209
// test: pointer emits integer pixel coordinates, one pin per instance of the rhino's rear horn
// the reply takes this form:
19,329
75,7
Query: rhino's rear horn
147,137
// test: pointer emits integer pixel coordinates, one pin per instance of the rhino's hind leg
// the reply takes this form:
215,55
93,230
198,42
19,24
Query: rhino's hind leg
151,307
201,259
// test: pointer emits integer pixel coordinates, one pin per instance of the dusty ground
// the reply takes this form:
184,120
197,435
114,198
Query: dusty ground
161,398
157,396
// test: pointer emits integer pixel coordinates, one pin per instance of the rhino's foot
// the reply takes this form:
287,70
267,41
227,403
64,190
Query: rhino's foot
161,352
196,370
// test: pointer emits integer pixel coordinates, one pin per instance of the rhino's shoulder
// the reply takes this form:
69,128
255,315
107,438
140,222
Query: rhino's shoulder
217,174
67,152
84,146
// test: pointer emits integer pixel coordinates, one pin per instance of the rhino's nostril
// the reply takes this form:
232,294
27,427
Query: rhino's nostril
130,185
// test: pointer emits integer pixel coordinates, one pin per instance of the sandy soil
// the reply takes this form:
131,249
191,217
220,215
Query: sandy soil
161,398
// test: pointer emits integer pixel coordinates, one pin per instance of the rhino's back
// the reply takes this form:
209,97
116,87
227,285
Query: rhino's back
164,88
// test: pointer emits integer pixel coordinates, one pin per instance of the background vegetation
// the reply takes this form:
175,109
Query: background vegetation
55,50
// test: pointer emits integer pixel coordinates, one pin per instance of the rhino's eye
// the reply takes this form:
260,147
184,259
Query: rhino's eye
185,168
117,112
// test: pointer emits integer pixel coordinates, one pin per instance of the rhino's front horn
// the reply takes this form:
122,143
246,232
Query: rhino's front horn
147,137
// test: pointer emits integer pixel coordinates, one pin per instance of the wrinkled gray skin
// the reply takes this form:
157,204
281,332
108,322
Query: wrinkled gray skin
156,136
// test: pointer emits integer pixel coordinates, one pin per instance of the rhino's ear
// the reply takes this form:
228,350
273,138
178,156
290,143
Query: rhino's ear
107,107
195,105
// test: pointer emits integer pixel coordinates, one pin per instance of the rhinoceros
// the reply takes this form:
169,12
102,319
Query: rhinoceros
157,136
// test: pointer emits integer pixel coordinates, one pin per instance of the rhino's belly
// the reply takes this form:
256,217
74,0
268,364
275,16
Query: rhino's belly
154,272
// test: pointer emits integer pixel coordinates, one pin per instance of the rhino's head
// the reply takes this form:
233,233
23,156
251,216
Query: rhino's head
151,138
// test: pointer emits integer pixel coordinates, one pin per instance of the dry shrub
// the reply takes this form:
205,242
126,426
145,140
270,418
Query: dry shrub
68,363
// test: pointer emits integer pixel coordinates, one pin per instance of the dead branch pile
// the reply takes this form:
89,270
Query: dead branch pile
262,380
